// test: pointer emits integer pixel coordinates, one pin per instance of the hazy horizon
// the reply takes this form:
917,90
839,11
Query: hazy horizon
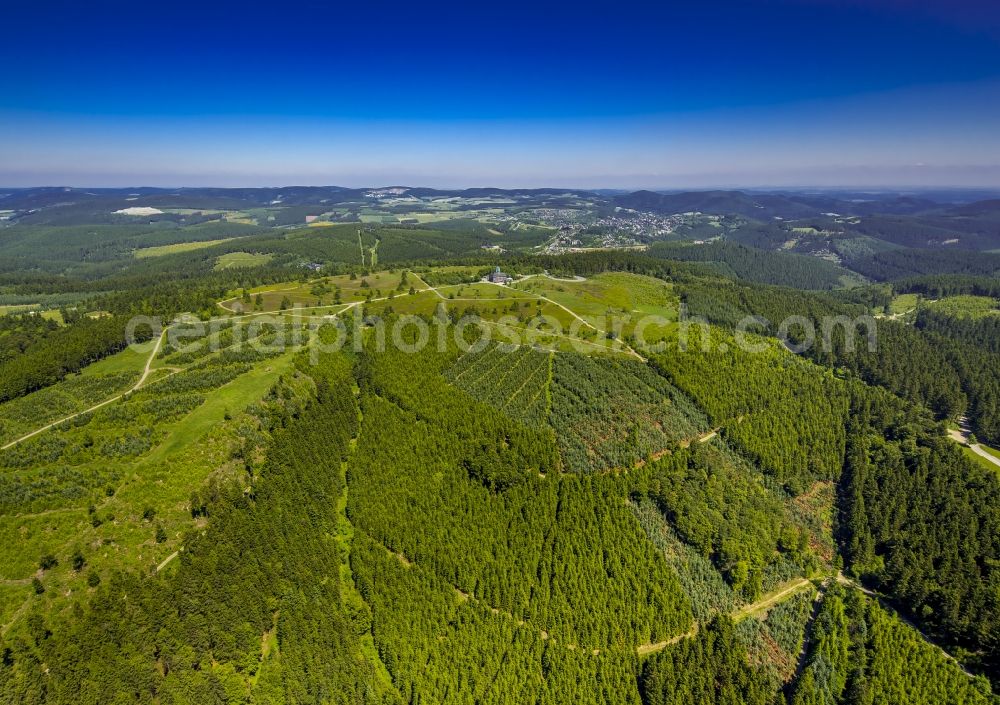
798,93
901,189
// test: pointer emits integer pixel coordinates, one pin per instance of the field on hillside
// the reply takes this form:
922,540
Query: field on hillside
605,293
233,260
458,274
176,247
623,304
966,306
110,489
325,291
52,314
512,317
903,303
91,385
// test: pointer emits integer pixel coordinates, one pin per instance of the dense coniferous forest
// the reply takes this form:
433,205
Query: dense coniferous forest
982,333
908,363
901,263
486,471
782,412
943,362
755,265
859,653
980,374
719,506
936,287
922,523
34,354
710,668
918,518
729,303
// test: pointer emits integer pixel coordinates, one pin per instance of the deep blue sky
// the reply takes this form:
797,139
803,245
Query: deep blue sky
784,92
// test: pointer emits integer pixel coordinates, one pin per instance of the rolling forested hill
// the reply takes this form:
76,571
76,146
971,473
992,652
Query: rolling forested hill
338,467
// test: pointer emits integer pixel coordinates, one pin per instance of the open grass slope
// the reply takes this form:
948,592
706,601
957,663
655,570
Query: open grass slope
605,294
236,260
592,316
324,291
511,314
174,248
965,306
114,486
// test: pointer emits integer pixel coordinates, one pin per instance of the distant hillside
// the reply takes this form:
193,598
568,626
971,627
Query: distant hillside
979,209
761,266
783,205
717,203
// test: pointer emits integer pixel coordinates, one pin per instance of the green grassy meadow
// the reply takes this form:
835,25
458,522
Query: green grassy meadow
966,306
176,247
903,303
235,260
